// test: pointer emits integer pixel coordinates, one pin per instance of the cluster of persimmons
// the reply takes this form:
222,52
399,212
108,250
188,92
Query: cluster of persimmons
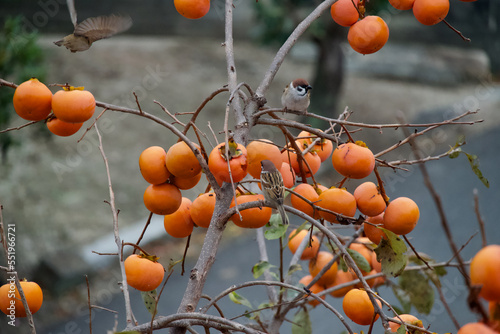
176,169
368,34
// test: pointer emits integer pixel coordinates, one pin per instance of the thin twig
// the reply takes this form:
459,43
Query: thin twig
128,309
90,307
143,231
176,120
442,297
137,102
215,305
185,253
19,127
416,253
98,253
457,31
92,125
479,218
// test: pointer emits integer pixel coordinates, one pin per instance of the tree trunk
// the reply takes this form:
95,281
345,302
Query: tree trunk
329,75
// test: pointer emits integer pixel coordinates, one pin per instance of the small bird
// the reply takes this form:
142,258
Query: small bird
296,95
273,187
94,29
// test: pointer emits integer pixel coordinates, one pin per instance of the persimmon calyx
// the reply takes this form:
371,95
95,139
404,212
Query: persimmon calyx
69,88
153,258
361,143
233,151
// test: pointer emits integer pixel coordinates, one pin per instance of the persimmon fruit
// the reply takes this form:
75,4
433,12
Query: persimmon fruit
373,233
354,161
185,183
430,12
202,209
253,217
192,9
288,175
307,191
337,200
143,273
312,159
259,150
402,4
32,100
181,161
368,199
238,163
342,277
315,288
344,12
476,328
152,165
162,199
317,263
32,292
401,215
358,307
408,318
485,271
179,224
61,128
295,239
368,35
73,105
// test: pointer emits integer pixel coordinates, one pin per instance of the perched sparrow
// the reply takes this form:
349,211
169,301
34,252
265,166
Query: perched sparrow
94,29
272,187
296,95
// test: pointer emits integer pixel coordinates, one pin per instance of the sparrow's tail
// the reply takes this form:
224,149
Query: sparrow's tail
284,217
59,43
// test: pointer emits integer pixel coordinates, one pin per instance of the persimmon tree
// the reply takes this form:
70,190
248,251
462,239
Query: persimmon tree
352,261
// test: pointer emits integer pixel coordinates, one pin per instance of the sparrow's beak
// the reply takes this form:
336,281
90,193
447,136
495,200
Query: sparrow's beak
308,87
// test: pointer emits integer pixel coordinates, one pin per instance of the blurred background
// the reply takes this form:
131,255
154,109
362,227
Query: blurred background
53,189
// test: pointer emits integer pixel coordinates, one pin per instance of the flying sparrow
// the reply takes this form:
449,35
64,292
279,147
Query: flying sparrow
296,95
273,187
94,29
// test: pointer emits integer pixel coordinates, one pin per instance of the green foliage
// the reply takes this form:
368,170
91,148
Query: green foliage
237,299
275,228
360,260
418,289
20,59
302,322
259,268
455,151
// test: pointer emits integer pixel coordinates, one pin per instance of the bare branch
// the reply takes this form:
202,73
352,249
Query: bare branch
114,212
479,218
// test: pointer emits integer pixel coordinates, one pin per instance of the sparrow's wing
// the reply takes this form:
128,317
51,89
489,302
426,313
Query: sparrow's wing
96,28
72,11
